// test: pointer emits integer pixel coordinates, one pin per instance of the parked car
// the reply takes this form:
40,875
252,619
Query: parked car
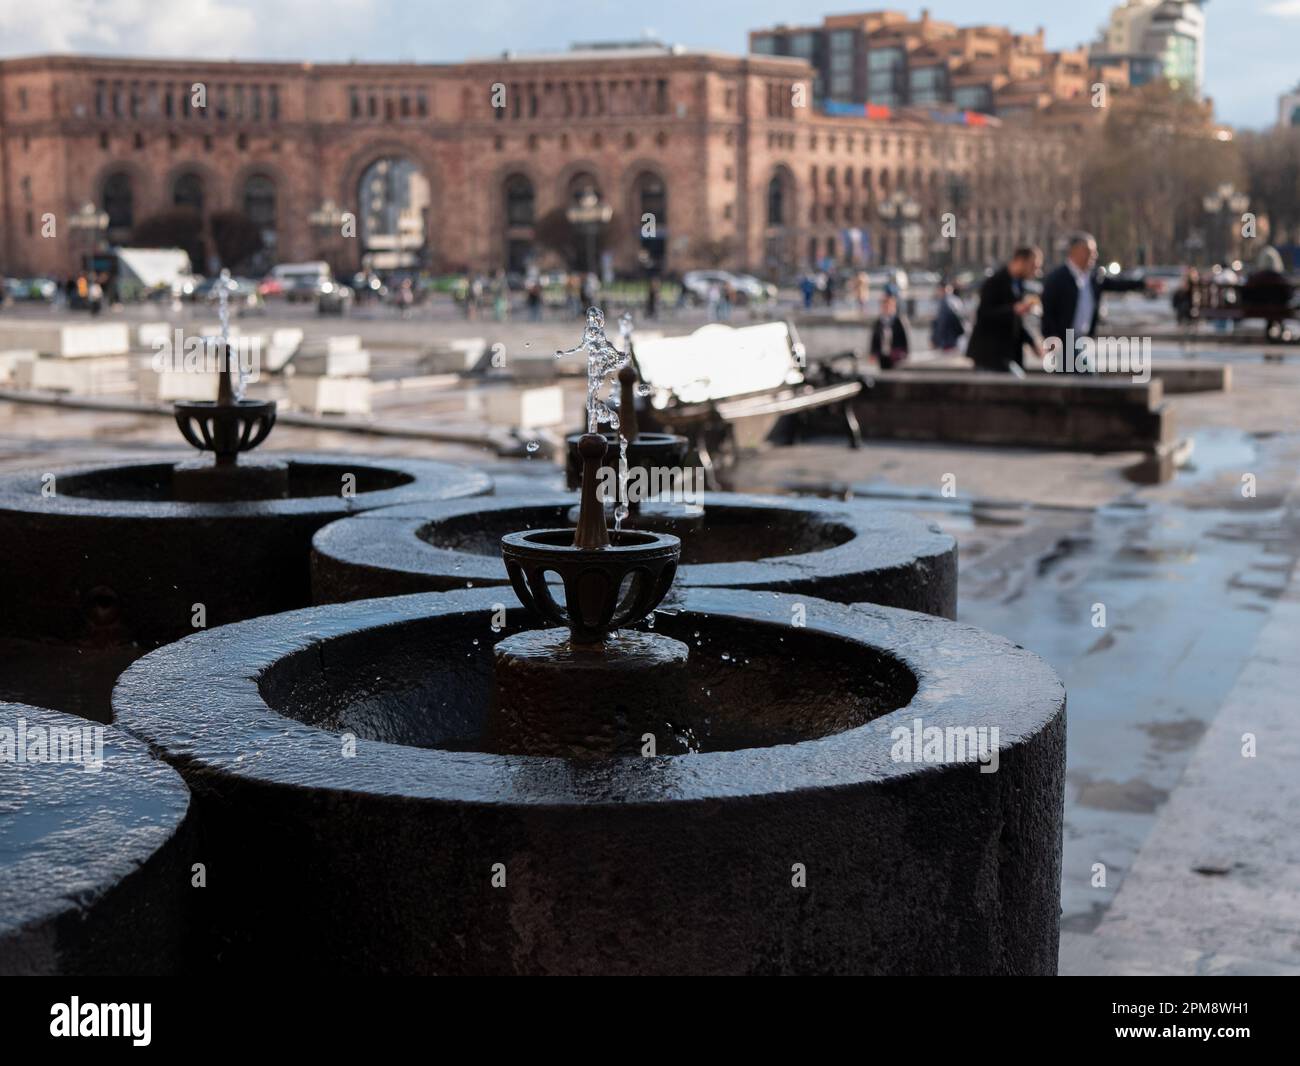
241,292
301,282
748,288
332,297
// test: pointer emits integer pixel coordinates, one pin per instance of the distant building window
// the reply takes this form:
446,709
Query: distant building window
354,103
973,98
22,99
802,45
765,45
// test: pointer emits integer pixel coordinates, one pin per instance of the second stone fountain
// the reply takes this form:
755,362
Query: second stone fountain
833,549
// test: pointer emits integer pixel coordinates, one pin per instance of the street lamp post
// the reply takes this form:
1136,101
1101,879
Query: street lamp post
899,212
587,216
89,224
1223,204
326,220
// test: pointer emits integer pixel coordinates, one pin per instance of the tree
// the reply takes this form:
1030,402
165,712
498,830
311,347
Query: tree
237,237
1272,163
1147,169
178,228
556,233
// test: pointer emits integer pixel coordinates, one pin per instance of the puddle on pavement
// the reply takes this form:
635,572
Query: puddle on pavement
1182,594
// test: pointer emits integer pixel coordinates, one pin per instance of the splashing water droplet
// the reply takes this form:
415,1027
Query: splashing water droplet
532,445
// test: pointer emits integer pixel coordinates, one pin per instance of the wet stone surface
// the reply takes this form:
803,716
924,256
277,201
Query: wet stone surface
803,546
100,558
94,854
350,739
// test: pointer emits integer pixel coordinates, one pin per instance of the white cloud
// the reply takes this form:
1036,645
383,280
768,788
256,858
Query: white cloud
217,29
1287,9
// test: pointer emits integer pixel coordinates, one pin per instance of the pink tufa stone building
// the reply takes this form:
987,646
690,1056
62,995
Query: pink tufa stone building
698,159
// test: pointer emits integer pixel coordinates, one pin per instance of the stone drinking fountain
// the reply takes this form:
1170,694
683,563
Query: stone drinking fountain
103,562
748,782
95,851
841,550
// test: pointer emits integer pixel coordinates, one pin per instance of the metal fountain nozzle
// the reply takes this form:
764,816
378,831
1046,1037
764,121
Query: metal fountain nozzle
611,578
229,425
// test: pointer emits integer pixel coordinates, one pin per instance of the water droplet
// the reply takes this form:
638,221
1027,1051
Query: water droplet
726,657
532,445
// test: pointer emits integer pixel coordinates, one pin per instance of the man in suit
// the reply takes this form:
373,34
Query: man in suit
1072,296
999,337
889,340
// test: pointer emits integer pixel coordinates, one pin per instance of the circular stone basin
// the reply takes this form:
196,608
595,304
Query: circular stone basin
105,555
797,836
835,550
94,875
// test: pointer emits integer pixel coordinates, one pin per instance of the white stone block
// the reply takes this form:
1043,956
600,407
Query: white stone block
85,376
524,408
81,340
337,396
342,364
9,364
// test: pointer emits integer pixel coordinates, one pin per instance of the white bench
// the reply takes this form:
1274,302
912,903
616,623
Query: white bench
725,388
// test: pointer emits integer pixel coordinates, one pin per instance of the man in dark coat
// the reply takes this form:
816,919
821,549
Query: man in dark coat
999,337
1072,296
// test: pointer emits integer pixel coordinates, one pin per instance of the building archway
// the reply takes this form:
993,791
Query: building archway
650,215
780,250
519,203
393,198
117,199
188,192
261,207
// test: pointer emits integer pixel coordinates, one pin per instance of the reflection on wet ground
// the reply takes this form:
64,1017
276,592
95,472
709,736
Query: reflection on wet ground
1147,607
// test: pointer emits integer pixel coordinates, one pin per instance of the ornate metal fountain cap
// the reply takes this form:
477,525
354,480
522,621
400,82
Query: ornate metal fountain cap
611,578
227,426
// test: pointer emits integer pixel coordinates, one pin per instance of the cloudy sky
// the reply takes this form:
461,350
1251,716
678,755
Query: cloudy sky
1253,51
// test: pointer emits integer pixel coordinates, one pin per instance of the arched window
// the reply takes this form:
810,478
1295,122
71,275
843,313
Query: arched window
188,192
780,198
651,199
581,184
259,201
520,201
118,198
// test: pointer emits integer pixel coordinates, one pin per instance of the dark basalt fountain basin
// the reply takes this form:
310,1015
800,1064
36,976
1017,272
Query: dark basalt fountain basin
834,550
362,822
103,562
95,854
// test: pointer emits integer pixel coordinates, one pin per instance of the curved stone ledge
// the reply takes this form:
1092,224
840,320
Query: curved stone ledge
93,875
386,845
110,559
834,550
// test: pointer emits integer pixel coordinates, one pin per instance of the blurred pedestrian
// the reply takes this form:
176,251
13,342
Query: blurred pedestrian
999,337
534,297
861,290
1186,299
652,298
949,319
500,296
890,343
808,287
1072,296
